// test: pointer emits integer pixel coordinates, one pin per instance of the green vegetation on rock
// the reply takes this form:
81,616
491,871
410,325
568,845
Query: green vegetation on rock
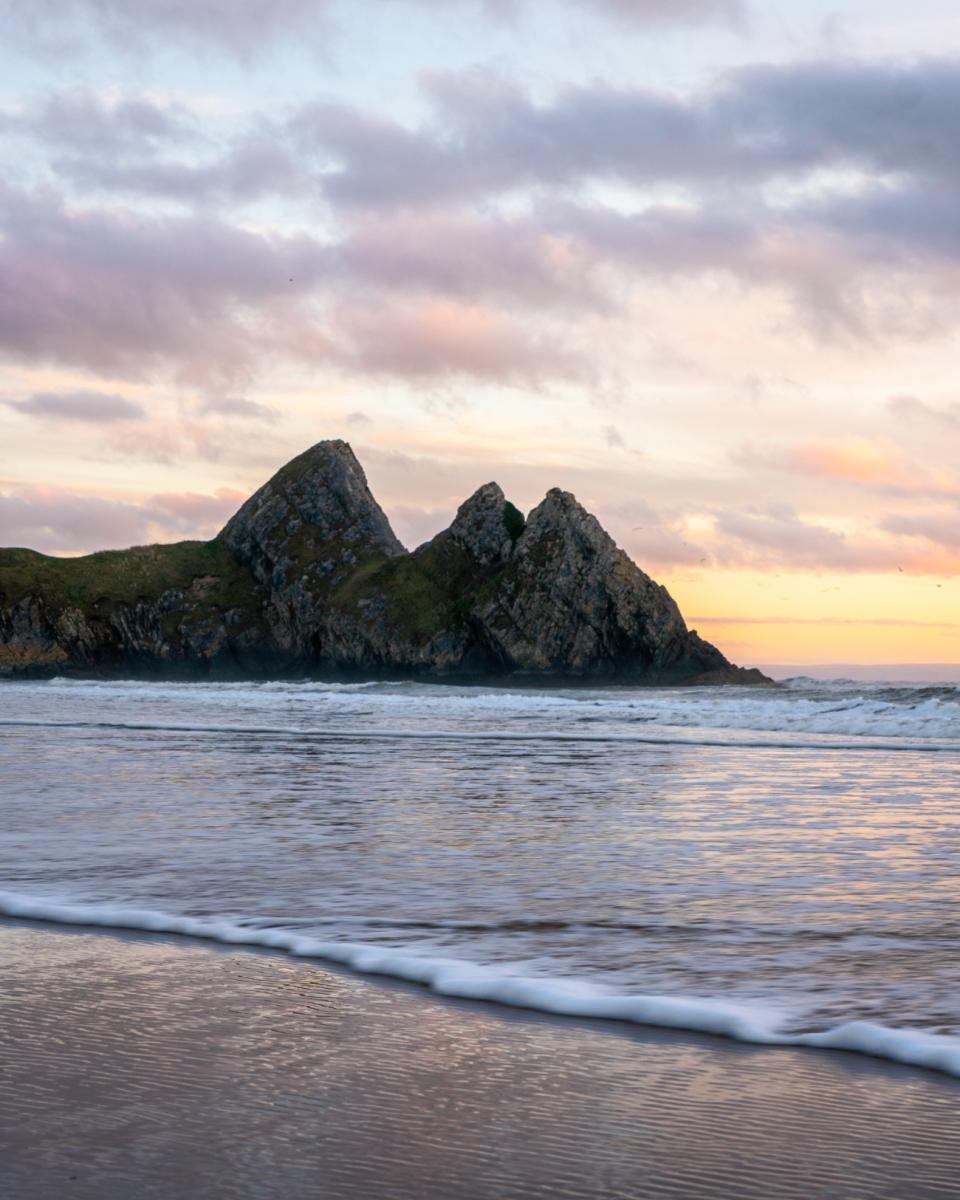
513,520
112,577
422,594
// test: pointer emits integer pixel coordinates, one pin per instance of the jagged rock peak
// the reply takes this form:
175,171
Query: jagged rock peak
320,497
487,525
560,512
584,606
557,505
308,576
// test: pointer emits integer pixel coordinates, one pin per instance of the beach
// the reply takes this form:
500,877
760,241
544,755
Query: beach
220,905
132,1065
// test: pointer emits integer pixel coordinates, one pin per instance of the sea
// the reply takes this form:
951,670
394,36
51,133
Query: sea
779,865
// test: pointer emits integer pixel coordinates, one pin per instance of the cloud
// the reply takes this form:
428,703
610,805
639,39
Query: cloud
940,528
893,118
671,12
612,436
120,292
775,533
247,29
435,338
875,463
477,235
255,166
414,526
910,407
664,547
890,124
650,536
833,180
779,528
414,210
665,239
560,259
857,460
98,408
239,406
193,512
569,257
86,122
775,537
519,260
868,150
168,442
758,122
243,28
762,537
57,521
489,137
137,145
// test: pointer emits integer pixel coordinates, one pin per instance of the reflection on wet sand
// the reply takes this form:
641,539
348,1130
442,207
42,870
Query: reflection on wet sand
156,1068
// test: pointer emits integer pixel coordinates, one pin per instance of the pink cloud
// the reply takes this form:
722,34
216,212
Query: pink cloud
167,442
876,463
438,337
762,537
97,408
466,255
941,528
57,521
124,293
414,526
240,407
194,511
859,460
910,407
651,537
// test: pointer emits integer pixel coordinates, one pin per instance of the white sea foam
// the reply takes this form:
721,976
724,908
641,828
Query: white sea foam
753,1023
836,710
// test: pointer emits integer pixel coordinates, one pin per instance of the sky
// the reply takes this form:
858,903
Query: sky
696,261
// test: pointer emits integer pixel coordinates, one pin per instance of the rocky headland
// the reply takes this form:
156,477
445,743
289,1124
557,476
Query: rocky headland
308,578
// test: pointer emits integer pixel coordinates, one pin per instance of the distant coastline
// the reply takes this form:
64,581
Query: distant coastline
867,673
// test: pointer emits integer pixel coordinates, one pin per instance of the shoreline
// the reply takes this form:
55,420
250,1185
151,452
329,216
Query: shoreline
156,1066
749,1024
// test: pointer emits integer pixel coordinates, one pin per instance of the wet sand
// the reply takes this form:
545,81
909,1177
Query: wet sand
134,1067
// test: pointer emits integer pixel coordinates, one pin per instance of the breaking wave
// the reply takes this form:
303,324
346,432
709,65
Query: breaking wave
745,1022
840,712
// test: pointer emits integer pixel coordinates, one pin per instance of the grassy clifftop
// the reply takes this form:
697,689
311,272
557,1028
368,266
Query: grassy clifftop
127,576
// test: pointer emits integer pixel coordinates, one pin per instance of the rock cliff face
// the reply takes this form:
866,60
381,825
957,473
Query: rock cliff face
308,577
303,534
